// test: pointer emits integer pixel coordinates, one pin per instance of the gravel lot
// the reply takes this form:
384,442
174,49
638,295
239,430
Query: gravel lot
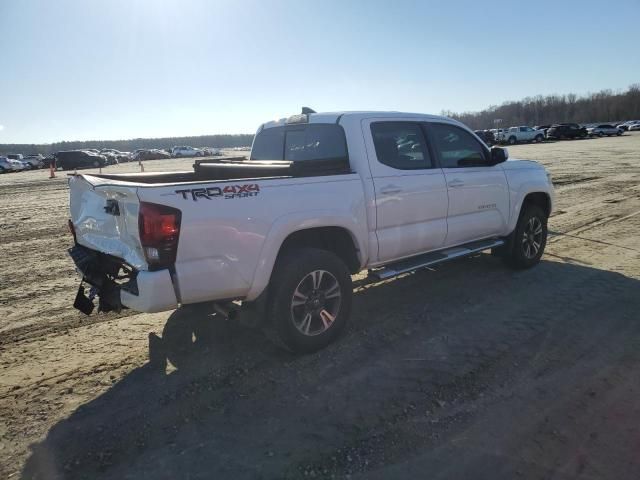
468,371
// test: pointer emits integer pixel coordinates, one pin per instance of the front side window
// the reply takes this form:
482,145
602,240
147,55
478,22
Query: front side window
456,147
400,145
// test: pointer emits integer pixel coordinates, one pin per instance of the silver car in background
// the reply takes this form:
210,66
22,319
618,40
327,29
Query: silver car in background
604,129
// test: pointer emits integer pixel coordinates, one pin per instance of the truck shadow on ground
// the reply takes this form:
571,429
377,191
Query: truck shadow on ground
233,405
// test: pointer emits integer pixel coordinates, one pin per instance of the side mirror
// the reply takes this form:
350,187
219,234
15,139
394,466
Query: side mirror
499,155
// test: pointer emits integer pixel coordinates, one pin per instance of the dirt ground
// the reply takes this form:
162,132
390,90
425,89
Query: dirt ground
468,371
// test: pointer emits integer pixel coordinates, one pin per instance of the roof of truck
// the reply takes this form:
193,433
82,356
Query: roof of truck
333,117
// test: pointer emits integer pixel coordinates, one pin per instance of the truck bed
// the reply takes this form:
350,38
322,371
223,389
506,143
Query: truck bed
236,168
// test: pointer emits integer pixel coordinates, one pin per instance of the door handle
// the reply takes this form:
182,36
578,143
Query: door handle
390,189
456,183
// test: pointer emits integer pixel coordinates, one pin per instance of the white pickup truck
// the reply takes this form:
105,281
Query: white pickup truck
513,135
322,196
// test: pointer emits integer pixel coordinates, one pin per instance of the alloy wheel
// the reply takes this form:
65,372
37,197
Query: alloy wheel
532,238
315,303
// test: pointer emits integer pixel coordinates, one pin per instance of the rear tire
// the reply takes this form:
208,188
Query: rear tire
528,240
512,141
310,299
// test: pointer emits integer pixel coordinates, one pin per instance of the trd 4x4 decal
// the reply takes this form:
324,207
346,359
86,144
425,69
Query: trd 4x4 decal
227,192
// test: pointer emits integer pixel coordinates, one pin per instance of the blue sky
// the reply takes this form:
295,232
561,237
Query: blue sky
85,69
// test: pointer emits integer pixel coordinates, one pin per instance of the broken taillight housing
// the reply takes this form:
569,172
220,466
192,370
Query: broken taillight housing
159,227
72,230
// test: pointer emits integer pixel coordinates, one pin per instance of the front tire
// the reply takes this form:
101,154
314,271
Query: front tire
539,138
528,239
310,299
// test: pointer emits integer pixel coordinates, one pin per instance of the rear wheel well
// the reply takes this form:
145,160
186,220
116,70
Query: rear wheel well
540,199
337,240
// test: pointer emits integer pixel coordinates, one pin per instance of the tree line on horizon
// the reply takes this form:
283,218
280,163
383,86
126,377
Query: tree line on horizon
604,106
216,141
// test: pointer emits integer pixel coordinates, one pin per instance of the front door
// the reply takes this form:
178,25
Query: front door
478,191
410,192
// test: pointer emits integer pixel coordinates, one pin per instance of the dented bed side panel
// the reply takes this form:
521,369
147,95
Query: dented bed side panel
107,231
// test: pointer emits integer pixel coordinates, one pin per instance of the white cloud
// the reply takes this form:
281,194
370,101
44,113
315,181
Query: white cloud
1,127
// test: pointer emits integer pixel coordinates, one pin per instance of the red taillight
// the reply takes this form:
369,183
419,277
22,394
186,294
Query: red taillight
159,228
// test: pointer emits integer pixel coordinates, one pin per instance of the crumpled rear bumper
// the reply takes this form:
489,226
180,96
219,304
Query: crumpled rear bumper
117,285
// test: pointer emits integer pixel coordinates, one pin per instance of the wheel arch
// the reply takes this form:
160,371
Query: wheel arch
530,196
541,199
335,234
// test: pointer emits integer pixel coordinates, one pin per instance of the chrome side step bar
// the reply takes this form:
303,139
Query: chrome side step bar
433,258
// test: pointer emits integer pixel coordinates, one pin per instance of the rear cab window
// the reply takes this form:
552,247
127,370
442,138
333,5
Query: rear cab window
301,142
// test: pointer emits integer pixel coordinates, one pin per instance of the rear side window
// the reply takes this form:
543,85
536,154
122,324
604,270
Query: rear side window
298,143
456,147
400,145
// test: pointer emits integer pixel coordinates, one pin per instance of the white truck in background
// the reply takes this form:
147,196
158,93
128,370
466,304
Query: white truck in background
322,196
513,135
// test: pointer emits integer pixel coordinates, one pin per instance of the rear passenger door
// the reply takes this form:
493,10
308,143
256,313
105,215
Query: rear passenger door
478,192
410,192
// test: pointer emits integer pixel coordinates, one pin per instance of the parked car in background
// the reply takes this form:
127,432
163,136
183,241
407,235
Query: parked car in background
36,161
185,151
566,130
499,134
117,154
211,151
134,154
18,157
72,159
5,165
628,124
17,165
634,128
150,154
544,128
112,159
604,129
486,136
522,134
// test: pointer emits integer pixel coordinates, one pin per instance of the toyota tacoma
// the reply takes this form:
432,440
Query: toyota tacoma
277,236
